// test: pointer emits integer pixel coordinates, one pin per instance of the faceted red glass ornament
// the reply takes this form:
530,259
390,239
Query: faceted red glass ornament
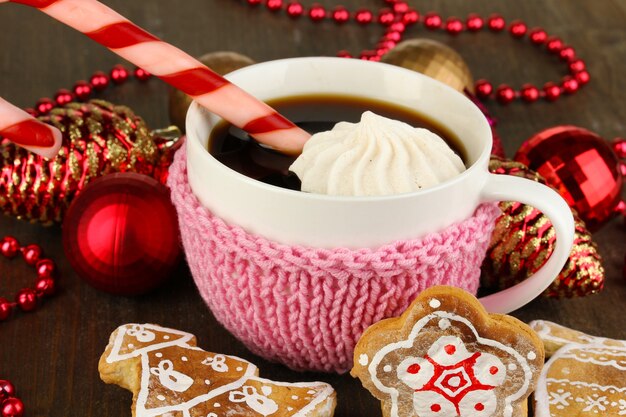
121,234
581,166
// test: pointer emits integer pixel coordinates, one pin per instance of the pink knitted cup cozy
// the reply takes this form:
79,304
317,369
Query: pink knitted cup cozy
306,307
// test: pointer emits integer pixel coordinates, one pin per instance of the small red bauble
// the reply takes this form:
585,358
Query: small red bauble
410,17
26,299
518,29
317,12
121,234
9,246
454,26
552,91
570,85
63,96
5,308
253,2
577,65
496,23
7,389
432,21
582,77
44,105
12,407
99,80
393,36
363,16
483,88
31,254
386,17
581,166
295,9
567,53
400,7
45,286
397,27
529,93
119,74
537,36
505,94
141,74
474,22
344,54
554,44
274,5
82,90
45,268
340,14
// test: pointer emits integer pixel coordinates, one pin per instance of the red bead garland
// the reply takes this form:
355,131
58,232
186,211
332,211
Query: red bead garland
10,405
400,13
83,90
28,299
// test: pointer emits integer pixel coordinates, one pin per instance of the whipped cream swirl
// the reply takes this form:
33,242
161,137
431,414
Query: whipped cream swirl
377,156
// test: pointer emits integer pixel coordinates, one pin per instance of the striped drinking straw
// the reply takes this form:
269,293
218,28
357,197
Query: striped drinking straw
176,68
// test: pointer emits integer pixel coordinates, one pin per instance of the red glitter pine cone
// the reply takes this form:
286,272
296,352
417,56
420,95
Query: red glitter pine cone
98,138
524,238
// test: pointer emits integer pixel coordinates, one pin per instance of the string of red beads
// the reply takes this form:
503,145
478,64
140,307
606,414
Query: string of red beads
10,405
398,15
28,299
83,90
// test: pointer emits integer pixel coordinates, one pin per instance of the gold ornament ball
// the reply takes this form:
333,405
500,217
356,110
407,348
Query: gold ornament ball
222,62
434,59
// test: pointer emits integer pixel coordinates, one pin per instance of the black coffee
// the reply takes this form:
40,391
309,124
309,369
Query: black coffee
313,113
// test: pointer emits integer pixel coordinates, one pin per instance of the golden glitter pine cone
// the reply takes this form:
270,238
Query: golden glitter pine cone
98,138
524,238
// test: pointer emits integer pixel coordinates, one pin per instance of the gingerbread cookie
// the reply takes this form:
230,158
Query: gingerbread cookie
583,381
170,376
447,357
555,336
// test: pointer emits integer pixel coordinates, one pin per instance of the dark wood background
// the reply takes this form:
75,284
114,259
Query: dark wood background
51,355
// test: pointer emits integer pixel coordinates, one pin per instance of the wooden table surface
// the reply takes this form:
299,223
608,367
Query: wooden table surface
51,355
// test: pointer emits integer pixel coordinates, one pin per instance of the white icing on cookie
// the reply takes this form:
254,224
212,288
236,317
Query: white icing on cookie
450,350
363,359
434,303
544,330
177,381
415,372
588,397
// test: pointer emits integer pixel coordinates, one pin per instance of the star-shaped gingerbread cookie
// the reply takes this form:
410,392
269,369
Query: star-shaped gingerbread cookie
447,357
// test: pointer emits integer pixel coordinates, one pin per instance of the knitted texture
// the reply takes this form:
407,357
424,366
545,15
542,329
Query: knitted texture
307,307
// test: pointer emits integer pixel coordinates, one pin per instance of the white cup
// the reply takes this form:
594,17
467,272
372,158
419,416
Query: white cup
293,217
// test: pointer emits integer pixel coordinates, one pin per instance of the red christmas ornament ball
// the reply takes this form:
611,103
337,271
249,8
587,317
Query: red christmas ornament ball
581,166
121,234
7,389
5,311
12,407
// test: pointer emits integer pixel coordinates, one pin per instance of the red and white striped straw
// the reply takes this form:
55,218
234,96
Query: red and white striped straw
177,68
24,130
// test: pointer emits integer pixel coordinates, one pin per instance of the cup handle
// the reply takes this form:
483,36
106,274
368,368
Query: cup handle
550,203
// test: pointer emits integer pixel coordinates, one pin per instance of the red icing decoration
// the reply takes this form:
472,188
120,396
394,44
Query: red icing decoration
450,349
479,407
493,370
413,369
463,370
435,408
